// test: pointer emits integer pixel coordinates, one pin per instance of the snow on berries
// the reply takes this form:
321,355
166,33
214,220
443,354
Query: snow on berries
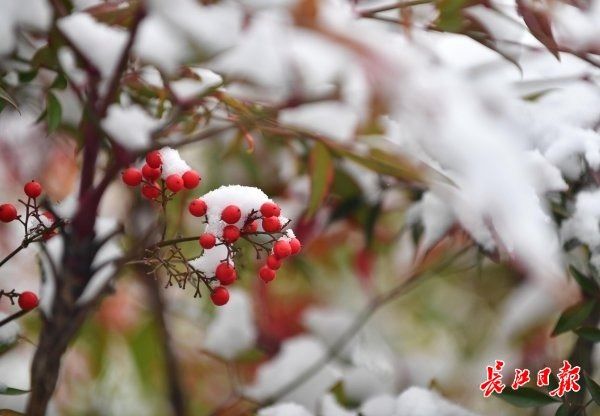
28,301
163,175
234,213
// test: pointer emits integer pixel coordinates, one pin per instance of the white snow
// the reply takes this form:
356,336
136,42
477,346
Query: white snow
188,88
331,119
584,224
417,401
233,330
208,261
130,126
284,409
100,43
383,405
172,163
28,14
296,355
247,198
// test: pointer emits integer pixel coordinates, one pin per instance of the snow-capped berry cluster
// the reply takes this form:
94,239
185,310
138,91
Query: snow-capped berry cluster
38,224
167,165
239,212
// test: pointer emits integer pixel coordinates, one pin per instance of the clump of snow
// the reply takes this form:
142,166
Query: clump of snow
233,330
131,126
333,119
28,14
172,163
208,261
417,401
584,224
8,332
284,409
435,216
188,88
296,355
329,324
383,405
174,31
100,43
247,198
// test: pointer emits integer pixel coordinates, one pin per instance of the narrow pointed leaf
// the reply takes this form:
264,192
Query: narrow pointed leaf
573,317
526,397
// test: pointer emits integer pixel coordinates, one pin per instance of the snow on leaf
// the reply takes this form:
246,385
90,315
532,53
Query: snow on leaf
130,126
92,37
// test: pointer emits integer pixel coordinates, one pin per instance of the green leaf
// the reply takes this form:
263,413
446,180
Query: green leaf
27,76
11,391
588,285
53,112
593,388
526,397
60,82
590,334
321,176
573,317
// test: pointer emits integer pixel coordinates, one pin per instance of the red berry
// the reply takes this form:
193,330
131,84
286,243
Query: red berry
270,209
266,274
295,245
220,296
273,262
175,183
251,227
225,273
150,191
231,214
197,207
271,224
8,212
28,301
131,176
153,159
207,240
282,249
149,173
191,179
231,234
33,189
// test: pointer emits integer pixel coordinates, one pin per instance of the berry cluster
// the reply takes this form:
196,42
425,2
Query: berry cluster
154,169
264,222
38,224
